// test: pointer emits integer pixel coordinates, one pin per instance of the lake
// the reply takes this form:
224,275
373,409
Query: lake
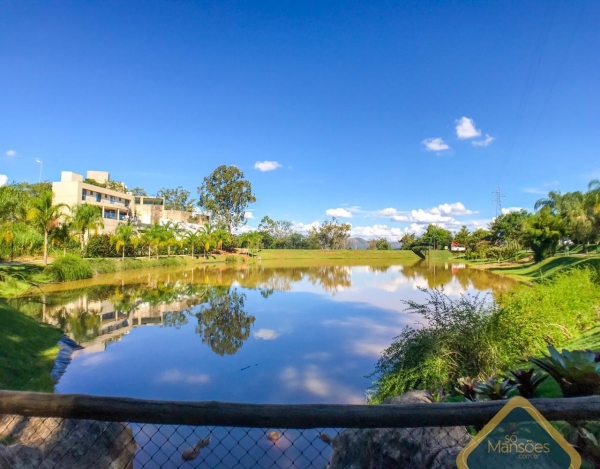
303,332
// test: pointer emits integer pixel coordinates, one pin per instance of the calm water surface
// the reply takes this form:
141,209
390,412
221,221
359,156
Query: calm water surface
259,333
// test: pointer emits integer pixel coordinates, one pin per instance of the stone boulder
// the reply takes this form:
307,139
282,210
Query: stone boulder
398,448
65,443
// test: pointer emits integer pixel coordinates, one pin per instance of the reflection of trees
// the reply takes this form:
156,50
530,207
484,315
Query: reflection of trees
82,324
174,319
378,268
223,323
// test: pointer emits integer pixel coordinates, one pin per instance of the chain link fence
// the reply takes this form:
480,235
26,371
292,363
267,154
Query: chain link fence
29,438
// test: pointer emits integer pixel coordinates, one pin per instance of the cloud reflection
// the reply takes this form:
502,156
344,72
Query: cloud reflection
175,376
266,334
312,380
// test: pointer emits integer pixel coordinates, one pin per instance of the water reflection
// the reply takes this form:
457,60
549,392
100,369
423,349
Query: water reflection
101,312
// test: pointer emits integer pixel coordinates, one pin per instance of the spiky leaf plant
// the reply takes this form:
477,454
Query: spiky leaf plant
577,372
466,388
528,381
436,396
495,389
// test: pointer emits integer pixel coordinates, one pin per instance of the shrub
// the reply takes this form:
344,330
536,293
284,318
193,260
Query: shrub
455,341
528,381
231,258
102,266
577,373
132,264
170,261
69,268
474,337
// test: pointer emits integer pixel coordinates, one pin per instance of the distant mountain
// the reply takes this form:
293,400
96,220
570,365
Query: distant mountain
360,244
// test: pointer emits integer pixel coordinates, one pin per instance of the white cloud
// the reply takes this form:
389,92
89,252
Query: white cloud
401,218
3,179
377,231
249,215
304,227
506,210
266,334
338,213
451,209
484,143
11,153
387,212
435,144
266,165
427,216
465,128
176,376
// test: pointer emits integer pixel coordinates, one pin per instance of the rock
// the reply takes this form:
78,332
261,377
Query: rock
396,448
66,443
22,457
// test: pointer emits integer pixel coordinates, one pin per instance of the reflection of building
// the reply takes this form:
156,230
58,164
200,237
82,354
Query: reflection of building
110,324
72,190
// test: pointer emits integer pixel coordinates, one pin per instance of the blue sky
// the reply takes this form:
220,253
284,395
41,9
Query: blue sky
391,114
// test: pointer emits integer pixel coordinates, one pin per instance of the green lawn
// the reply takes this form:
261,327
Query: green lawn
283,254
17,278
547,267
27,351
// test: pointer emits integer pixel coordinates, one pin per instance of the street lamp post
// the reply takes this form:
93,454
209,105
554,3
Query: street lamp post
37,160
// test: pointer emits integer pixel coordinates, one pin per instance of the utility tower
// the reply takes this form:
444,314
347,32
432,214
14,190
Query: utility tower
498,200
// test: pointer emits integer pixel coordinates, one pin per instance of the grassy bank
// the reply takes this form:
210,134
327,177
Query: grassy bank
27,351
284,254
546,268
16,278
477,338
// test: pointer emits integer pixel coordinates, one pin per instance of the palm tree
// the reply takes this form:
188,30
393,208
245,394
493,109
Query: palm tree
208,229
553,201
61,235
193,238
44,216
153,236
172,234
126,234
86,218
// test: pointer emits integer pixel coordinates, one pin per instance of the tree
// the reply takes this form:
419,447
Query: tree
331,234
553,202
542,232
380,244
13,208
139,191
126,234
177,199
407,241
225,195
463,236
153,236
192,238
62,235
509,227
86,218
44,216
436,236
208,230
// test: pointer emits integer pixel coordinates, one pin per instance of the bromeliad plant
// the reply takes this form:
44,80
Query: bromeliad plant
527,380
495,389
436,396
466,388
577,372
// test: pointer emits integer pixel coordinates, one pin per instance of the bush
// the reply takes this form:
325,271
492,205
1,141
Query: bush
475,337
168,262
132,264
231,258
102,266
69,268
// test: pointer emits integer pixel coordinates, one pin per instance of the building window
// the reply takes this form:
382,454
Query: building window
82,194
98,197
112,199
